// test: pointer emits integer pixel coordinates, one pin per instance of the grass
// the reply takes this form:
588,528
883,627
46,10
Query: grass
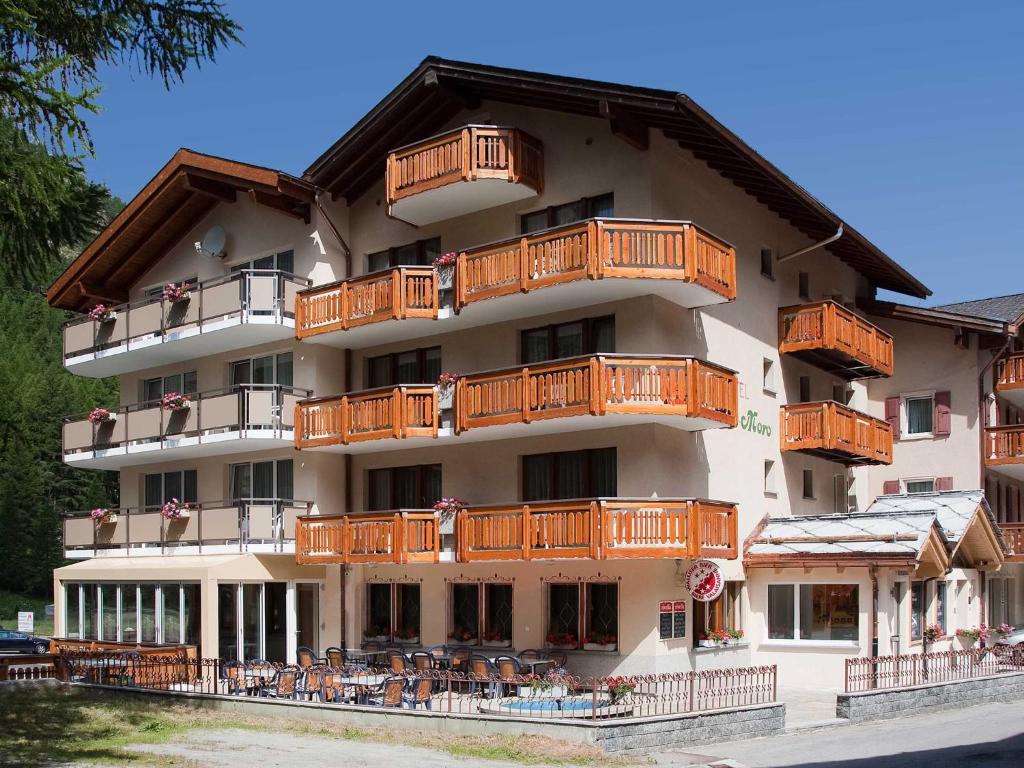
11,603
42,725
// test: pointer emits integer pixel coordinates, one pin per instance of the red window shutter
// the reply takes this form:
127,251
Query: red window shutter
943,483
943,414
890,487
892,415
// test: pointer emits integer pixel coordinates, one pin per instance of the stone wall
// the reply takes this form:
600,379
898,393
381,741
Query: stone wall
879,705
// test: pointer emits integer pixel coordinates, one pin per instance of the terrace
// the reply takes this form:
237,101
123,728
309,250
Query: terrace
1010,379
833,338
832,431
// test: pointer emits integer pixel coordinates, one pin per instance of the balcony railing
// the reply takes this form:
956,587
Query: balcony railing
596,529
398,412
832,337
214,416
1010,379
1005,449
402,536
395,294
596,249
597,385
246,525
1013,535
257,298
470,154
833,431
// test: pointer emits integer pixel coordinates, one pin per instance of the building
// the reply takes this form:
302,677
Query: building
656,350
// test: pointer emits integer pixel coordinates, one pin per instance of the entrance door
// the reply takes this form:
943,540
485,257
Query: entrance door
307,609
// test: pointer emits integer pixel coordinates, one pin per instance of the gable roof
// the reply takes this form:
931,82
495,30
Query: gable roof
1004,309
174,201
438,89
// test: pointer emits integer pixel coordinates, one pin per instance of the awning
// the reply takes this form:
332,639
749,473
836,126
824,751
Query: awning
241,567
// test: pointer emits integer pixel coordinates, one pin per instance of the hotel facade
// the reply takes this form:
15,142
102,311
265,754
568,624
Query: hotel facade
616,338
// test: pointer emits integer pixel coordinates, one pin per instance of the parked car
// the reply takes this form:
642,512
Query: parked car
12,641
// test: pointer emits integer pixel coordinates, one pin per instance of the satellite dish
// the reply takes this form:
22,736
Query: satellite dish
213,242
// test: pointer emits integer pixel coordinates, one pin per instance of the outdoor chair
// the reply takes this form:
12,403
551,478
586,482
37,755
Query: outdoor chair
531,654
422,661
422,688
335,657
397,661
508,669
373,650
438,651
482,669
284,684
233,675
460,658
311,684
558,658
390,693
260,673
305,656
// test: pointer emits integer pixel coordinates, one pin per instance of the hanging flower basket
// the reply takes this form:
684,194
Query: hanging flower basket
101,313
968,637
449,507
446,389
173,401
101,416
103,516
176,510
445,267
177,293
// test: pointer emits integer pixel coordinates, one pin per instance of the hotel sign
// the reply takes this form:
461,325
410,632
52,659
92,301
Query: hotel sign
704,581
749,423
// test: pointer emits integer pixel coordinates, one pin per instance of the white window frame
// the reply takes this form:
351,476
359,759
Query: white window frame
769,376
808,643
905,415
906,481
770,483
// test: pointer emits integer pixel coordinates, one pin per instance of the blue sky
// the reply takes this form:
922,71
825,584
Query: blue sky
903,117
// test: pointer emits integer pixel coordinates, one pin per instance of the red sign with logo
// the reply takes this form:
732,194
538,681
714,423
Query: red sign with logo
704,581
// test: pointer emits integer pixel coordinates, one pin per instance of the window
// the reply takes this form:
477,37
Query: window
768,263
157,291
814,612
671,619
769,477
154,389
1000,602
940,605
841,393
415,487
844,498
480,614
128,612
917,608
808,489
769,377
283,261
570,475
805,389
584,615
393,612
804,285
249,619
556,215
421,253
722,613
262,480
164,486
267,369
581,337
919,411
414,366
781,612
920,486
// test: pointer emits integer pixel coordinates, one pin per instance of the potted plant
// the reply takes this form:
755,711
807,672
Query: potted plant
175,402
555,683
176,510
496,639
463,635
377,632
103,516
1001,632
409,635
101,313
448,508
599,641
932,633
101,416
564,641
968,636
620,687
446,389
736,636
177,293
445,267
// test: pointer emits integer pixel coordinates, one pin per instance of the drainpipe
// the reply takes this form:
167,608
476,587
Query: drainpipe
812,246
337,234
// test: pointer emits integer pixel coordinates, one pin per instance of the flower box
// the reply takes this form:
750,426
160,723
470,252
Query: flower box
446,397
708,644
408,640
498,643
108,520
377,638
600,646
562,646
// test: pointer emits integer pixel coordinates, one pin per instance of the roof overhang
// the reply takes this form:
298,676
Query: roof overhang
438,89
184,191
938,317
980,545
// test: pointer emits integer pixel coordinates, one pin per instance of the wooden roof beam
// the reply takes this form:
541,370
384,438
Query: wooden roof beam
280,204
202,185
103,293
631,131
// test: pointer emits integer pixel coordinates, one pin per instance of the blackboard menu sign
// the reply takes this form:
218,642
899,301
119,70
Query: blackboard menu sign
671,619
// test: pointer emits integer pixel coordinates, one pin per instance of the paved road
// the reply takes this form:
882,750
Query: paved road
984,736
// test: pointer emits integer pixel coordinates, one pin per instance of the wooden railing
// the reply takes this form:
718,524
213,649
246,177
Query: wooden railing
398,412
403,536
395,294
841,433
596,249
1005,444
1010,372
830,328
1013,535
596,385
465,154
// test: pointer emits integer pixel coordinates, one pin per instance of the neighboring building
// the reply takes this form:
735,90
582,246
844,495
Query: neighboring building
657,355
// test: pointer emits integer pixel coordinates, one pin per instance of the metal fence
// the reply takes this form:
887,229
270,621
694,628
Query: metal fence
554,695
868,673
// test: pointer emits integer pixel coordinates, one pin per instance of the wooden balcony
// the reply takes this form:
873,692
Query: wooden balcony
242,309
462,171
1005,450
400,412
828,335
249,417
403,536
250,525
404,293
1010,379
1013,535
595,529
833,431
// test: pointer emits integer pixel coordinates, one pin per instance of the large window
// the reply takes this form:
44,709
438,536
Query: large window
414,366
393,613
583,615
415,487
570,475
129,612
722,613
154,389
284,261
263,480
813,612
421,253
580,337
917,610
480,614
577,210
164,486
251,621
266,369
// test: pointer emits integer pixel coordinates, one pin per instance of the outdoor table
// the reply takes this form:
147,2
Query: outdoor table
337,682
257,677
102,671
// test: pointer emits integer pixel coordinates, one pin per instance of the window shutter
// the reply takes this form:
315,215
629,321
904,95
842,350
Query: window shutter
892,415
890,487
943,414
943,483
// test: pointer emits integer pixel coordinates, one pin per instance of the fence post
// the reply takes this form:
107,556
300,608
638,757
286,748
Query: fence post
690,704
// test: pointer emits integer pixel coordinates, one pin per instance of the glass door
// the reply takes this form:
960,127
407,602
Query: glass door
307,619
